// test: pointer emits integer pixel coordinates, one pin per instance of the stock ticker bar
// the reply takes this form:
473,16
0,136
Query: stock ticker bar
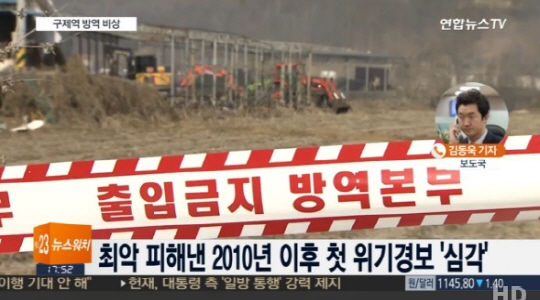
470,283
202,283
267,283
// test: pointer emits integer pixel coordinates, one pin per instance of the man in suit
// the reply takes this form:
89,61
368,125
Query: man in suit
473,112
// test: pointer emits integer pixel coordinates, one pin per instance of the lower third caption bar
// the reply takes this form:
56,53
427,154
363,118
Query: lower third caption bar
202,283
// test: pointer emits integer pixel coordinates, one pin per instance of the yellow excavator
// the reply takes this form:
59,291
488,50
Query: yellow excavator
148,72
142,68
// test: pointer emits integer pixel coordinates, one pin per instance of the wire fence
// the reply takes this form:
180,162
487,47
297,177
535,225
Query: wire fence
231,72
196,68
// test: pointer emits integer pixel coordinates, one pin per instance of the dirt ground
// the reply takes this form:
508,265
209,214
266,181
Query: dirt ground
371,121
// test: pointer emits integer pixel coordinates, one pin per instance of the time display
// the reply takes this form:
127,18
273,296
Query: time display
61,270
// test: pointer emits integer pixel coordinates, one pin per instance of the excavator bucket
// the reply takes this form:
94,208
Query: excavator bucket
341,106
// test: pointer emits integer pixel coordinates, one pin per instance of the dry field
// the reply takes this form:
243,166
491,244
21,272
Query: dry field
368,122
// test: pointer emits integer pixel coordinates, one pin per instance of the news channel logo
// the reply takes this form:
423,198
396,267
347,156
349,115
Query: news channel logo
446,114
62,249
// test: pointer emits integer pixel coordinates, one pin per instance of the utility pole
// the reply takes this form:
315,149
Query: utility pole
173,70
21,24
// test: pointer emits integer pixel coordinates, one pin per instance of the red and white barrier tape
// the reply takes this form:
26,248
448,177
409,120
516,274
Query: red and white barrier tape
66,193
250,159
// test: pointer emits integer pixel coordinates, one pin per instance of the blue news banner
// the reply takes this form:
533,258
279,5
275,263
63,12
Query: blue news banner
293,265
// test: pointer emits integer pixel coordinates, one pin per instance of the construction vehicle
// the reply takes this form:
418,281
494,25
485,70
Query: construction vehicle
324,92
200,81
148,72
142,68
119,62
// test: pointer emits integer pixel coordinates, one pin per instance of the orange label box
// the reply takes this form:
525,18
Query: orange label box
475,150
62,244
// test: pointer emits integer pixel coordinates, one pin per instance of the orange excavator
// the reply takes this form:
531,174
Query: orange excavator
200,79
324,91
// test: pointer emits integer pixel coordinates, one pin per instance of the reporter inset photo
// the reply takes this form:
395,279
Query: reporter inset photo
471,113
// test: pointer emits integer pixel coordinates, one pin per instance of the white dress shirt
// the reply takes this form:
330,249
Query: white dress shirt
480,140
